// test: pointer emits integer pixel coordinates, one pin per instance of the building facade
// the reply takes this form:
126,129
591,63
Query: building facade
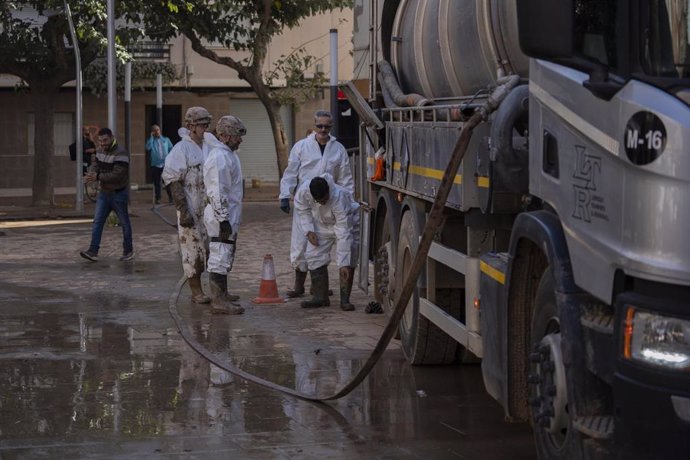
200,82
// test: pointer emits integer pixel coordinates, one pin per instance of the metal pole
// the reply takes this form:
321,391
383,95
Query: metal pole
79,182
128,119
334,80
159,101
112,95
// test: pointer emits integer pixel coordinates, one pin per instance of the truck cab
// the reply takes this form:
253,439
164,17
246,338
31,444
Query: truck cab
609,124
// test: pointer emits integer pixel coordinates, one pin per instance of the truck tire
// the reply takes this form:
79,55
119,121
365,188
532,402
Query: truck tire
384,269
554,434
422,341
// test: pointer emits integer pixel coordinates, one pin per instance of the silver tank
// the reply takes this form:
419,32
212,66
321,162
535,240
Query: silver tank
450,48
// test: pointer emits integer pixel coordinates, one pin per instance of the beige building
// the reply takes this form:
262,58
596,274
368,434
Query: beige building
200,82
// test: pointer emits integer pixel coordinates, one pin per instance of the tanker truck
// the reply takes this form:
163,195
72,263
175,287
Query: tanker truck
563,262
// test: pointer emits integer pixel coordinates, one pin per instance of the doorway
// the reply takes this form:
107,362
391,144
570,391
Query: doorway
172,121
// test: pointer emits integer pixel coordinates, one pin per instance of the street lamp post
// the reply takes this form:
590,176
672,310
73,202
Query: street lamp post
334,80
112,95
79,182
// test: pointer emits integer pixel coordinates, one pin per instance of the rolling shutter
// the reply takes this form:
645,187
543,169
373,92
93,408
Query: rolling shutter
257,152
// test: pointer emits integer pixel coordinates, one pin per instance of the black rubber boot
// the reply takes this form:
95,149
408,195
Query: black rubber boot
311,288
319,282
220,302
347,275
298,290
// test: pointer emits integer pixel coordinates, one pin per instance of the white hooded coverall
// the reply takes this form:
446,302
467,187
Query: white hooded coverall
223,179
304,163
336,221
185,163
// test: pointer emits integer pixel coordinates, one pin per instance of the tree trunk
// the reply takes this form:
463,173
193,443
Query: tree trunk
44,116
280,139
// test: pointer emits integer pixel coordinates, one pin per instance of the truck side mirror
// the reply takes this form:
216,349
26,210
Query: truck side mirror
546,28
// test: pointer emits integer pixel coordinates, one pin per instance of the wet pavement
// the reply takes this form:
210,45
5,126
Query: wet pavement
92,365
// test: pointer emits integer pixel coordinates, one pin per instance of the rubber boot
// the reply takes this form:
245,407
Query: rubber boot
311,288
227,296
319,282
220,304
298,290
198,295
347,275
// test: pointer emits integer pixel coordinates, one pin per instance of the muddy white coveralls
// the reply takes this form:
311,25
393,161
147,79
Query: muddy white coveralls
304,163
185,163
336,221
223,180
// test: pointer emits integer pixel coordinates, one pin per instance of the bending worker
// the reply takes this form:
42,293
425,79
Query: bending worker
328,214
183,177
316,154
223,181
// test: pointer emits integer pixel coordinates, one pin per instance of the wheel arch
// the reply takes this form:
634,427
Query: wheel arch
537,242
388,214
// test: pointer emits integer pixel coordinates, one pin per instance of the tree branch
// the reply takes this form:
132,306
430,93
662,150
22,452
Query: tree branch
212,55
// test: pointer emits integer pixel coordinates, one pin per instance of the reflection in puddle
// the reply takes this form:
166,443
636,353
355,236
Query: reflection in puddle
65,374
91,376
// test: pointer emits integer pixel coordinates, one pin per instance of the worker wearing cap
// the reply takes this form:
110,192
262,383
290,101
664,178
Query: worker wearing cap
316,154
183,177
222,215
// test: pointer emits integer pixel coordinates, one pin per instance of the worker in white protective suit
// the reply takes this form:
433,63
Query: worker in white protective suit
222,215
183,177
314,155
328,214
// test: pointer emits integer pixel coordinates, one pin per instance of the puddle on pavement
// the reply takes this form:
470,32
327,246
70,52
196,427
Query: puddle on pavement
91,364
121,373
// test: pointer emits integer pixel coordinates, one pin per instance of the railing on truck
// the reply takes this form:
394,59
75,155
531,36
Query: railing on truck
427,119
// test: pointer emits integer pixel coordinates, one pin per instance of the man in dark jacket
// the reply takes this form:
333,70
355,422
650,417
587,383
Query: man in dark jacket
88,149
111,170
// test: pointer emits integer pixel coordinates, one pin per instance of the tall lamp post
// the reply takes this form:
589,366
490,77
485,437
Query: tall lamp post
79,198
112,95
334,80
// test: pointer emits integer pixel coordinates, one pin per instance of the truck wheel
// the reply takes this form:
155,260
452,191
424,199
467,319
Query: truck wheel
554,434
422,341
383,270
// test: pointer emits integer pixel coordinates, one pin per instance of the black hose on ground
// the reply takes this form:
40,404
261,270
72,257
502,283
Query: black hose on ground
156,210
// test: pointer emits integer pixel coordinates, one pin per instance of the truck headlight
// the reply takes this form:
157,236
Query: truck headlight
660,341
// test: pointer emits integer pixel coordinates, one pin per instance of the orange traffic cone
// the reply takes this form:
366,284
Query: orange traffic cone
268,291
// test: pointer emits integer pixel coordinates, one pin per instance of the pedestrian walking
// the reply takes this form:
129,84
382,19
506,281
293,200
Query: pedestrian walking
223,213
88,149
111,171
316,154
183,177
158,147
328,215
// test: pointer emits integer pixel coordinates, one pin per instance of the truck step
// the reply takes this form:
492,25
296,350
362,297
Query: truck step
595,426
598,320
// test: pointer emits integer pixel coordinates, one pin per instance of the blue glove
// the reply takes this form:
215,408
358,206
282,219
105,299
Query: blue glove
285,205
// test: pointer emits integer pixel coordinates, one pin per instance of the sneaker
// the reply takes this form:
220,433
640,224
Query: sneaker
90,255
127,256
158,201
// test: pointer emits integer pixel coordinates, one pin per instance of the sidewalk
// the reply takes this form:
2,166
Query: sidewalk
139,198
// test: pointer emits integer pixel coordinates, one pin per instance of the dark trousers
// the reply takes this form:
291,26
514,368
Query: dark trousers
106,202
156,176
